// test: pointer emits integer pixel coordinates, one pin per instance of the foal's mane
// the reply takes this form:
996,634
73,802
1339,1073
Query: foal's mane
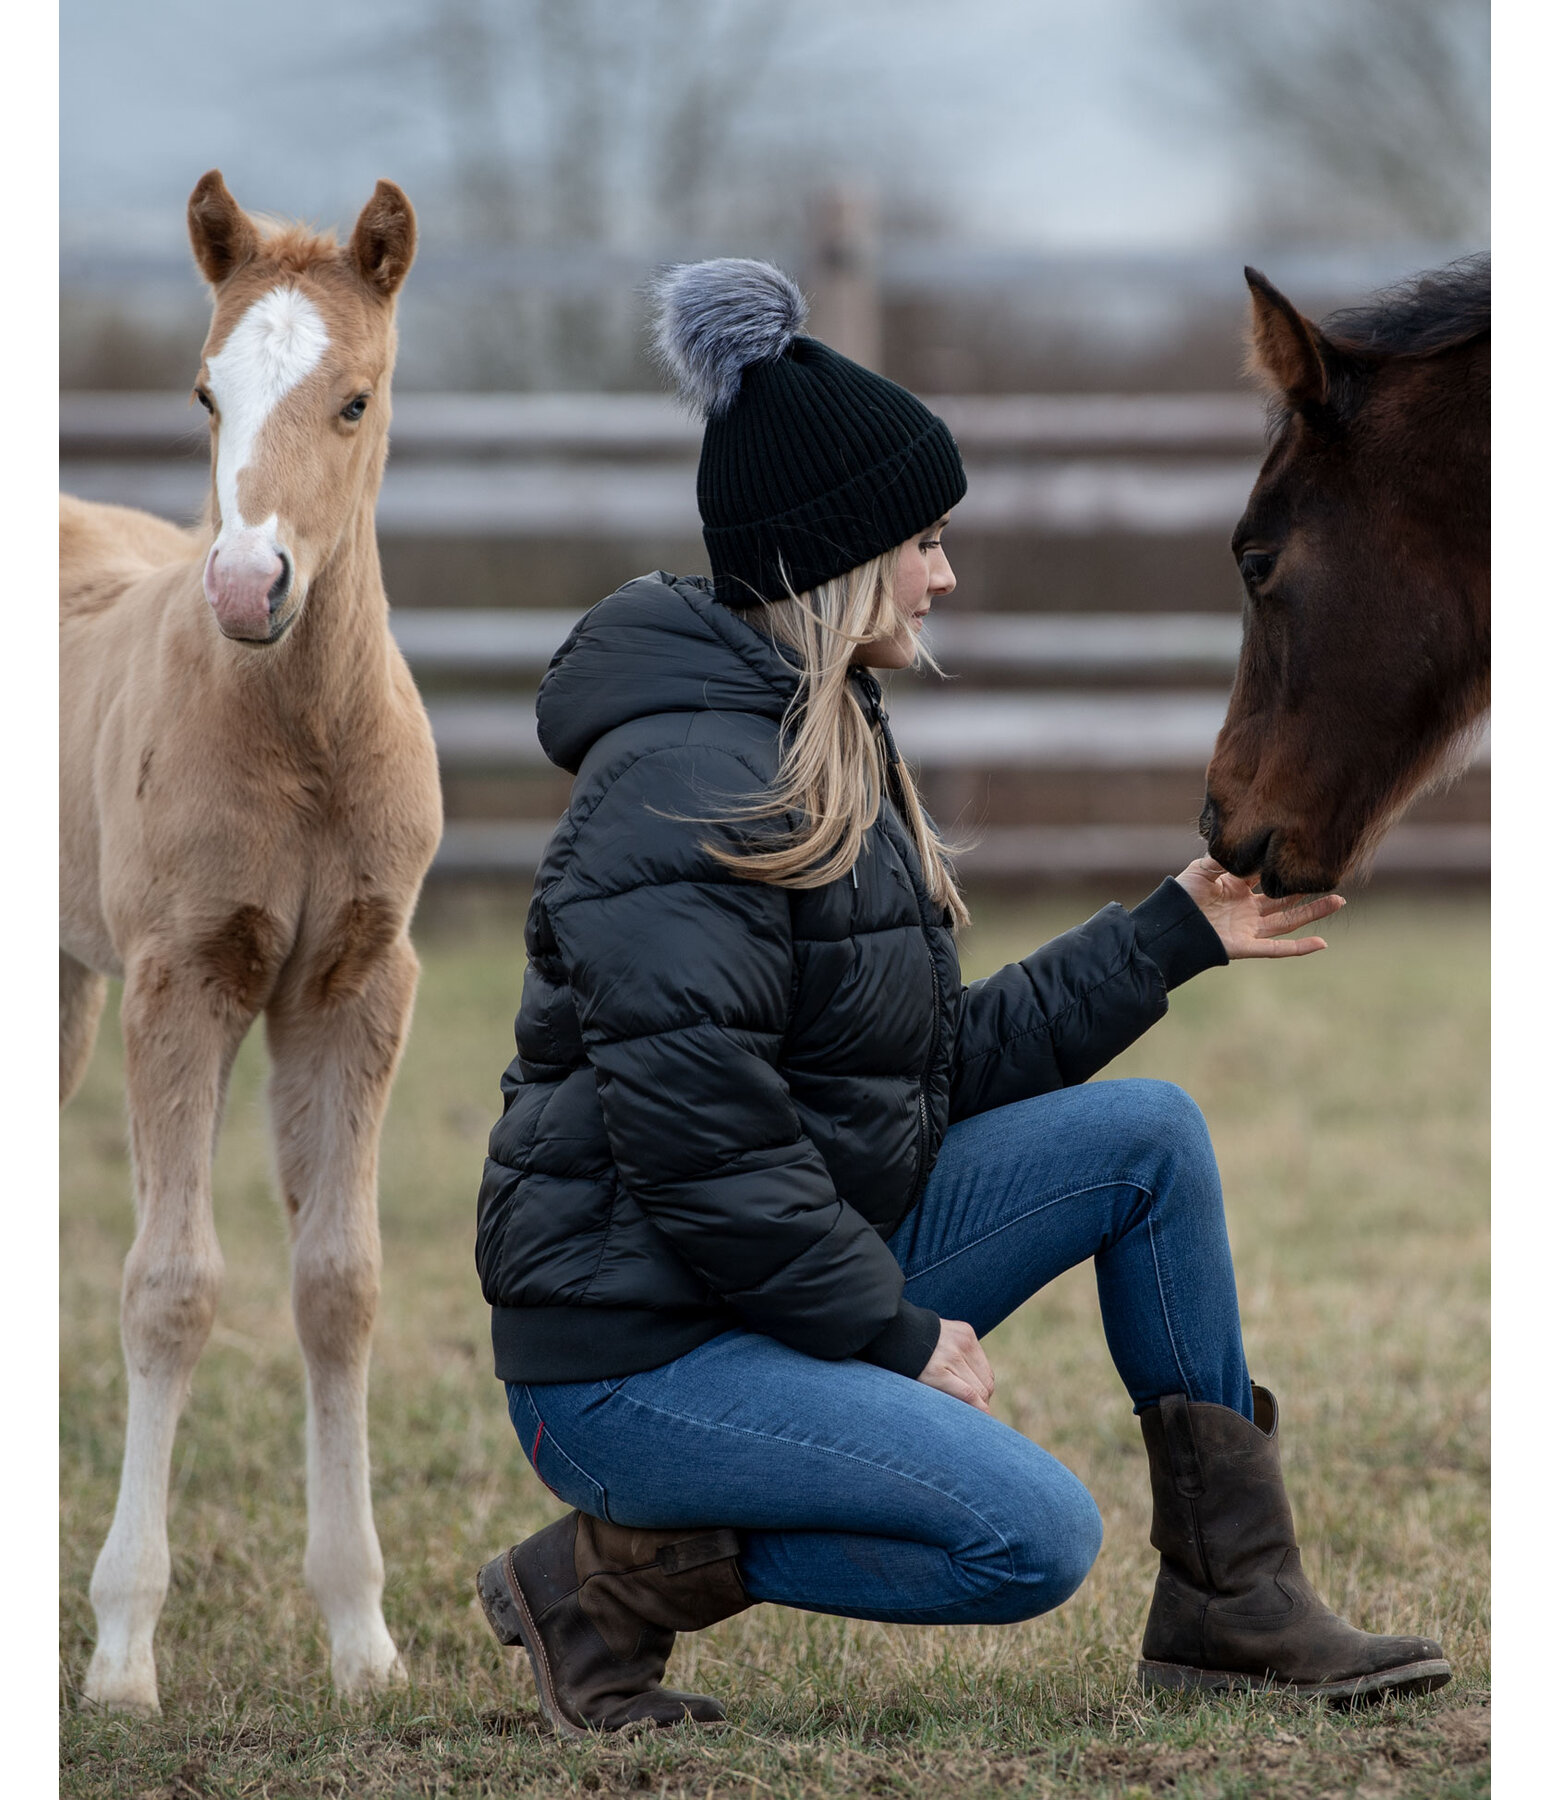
1431,311
293,248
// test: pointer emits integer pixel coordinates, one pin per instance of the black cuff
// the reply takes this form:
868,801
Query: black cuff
906,1343
1176,934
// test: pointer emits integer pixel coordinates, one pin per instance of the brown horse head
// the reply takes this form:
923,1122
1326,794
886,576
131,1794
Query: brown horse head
295,377
1364,554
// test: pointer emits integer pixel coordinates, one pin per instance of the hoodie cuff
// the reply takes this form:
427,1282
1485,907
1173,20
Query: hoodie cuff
906,1343
1176,935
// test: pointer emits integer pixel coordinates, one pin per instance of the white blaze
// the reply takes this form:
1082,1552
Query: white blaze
274,346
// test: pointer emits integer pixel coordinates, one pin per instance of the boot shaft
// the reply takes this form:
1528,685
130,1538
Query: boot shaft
1219,1507
663,1579
597,1607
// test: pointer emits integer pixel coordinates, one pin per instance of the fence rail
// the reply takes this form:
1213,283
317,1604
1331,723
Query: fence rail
533,498
485,641
1140,697
1023,852
655,424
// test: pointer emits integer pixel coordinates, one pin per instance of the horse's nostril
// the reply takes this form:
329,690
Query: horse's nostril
282,584
1209,819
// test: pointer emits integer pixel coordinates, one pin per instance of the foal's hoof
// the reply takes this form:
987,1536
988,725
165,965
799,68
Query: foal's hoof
121,1687
359,1670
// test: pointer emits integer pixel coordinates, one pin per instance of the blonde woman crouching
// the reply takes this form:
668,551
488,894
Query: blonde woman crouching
768,1172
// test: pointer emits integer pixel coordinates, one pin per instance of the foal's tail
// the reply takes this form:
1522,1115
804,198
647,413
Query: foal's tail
82,992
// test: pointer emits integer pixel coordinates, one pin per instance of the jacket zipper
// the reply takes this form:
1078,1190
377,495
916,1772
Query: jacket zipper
874,692
925,1115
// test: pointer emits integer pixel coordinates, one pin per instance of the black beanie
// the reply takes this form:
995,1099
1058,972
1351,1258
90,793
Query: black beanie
810,463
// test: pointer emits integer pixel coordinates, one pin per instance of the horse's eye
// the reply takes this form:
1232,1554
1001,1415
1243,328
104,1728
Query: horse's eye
356,407
1255,566
204,400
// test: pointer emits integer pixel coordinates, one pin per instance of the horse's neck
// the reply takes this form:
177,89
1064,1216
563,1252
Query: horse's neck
345,620
337,661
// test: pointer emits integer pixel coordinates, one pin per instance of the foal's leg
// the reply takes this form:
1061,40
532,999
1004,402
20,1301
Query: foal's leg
82,992
334,1043
180,1036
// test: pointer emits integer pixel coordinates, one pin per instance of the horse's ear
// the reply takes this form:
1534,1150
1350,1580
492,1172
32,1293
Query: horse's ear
382,244
223,235
1286,351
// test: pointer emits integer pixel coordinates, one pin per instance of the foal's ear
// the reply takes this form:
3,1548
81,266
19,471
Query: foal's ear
223,235
382,244
1286,351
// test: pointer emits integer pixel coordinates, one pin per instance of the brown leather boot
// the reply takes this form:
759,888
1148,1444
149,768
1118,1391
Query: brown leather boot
597,1606
1232,1607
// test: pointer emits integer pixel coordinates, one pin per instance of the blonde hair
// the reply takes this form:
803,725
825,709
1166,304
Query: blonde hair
832,770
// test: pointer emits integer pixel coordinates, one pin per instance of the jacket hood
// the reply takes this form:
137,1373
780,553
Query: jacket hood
662,643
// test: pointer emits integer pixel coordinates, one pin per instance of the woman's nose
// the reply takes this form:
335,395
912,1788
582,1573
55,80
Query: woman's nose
943,580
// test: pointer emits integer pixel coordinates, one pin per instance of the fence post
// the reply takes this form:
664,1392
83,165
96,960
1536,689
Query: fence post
842,282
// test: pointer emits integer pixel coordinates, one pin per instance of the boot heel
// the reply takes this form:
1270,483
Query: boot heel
1177,1678
500,1606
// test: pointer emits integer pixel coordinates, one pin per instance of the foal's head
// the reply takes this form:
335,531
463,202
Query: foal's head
295,378
1364,556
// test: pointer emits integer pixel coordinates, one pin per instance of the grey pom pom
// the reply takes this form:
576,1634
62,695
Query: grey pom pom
715,318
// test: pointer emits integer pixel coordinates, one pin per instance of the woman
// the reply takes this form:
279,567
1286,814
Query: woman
768,1172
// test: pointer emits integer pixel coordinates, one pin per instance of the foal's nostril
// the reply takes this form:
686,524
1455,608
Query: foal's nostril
282,585
1209,821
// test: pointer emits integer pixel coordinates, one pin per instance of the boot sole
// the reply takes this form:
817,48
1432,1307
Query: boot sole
1408,1678
505,1606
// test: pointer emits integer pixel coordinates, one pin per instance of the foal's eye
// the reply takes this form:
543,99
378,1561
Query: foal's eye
356,407
1255,566
204,400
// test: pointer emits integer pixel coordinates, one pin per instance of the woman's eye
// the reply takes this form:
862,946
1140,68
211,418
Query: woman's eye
1255,566
356,407
931,543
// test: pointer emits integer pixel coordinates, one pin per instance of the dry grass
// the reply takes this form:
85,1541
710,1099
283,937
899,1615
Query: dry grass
1347,1096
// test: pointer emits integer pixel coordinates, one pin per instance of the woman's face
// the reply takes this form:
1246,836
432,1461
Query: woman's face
923,575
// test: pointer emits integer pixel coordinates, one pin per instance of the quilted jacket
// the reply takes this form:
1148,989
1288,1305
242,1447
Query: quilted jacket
726,1095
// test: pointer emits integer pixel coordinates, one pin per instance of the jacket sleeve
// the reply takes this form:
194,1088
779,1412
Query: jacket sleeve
1055,1018
682,976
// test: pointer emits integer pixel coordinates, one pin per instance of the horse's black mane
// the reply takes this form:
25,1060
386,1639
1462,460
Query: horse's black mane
1428,312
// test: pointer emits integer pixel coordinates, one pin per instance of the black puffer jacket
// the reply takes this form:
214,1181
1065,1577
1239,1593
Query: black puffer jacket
727,1094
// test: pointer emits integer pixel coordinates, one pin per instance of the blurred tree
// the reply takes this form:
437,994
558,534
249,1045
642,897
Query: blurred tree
588,122
1361,117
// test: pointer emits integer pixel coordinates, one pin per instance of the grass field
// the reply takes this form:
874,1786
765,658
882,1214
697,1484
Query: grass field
1347,1097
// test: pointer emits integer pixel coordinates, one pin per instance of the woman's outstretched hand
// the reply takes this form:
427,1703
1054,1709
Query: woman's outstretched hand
959,1367
1251,924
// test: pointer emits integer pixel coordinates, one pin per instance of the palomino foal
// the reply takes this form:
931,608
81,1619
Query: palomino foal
249,803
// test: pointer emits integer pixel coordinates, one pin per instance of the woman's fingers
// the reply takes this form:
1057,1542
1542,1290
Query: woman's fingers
1287,915
1284,947
966,1390
1307,906
959,1366
979,1365
960,1384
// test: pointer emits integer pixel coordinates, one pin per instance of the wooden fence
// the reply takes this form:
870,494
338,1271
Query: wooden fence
1071,745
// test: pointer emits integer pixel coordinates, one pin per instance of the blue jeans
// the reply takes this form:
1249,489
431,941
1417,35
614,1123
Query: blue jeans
862,1493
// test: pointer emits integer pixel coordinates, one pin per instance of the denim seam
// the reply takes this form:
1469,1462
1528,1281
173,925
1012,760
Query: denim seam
1165,1298
545,1433
1097,1187
845,1456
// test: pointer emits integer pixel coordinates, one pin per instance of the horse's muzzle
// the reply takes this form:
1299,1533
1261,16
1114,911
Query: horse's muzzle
247,582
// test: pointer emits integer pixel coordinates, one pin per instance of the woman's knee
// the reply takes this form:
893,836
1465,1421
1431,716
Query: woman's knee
1051,1544
1168,1123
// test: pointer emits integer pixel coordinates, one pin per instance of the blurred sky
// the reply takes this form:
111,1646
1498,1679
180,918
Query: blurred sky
1065,123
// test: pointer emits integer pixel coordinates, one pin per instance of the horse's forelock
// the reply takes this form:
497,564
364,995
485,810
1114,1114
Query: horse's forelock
1436,310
